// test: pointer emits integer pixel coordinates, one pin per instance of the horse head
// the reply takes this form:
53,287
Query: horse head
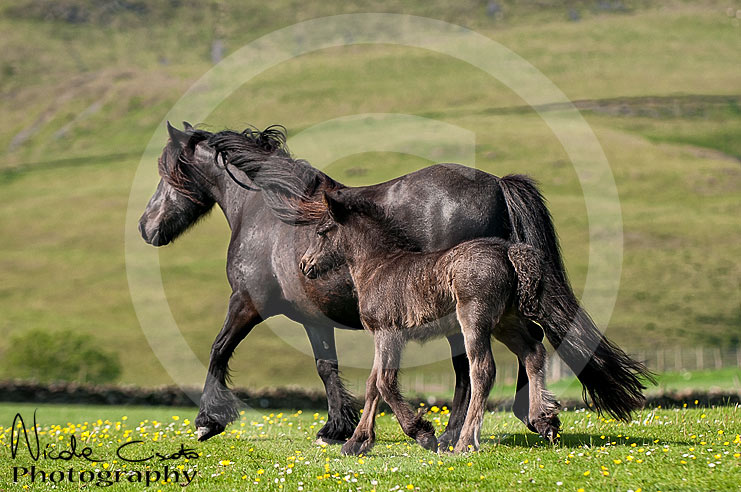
182,195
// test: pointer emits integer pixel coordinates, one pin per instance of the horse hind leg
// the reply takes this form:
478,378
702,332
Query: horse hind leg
388,356
475,325
341,406
521,405
543,407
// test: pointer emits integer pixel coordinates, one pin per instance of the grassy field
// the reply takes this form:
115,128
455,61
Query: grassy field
80,106
683,449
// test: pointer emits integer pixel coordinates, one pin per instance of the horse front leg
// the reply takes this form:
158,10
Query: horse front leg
364,436
341,406
462,392
218,406
387,359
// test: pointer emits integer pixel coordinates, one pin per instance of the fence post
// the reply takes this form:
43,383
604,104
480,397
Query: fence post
718,359
699,359
555,368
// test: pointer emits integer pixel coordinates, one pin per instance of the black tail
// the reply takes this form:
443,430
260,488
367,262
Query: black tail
612,379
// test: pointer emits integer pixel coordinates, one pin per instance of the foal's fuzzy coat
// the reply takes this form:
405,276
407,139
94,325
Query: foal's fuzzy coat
491,285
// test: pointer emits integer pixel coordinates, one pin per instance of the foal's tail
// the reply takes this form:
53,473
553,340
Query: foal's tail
612,379
527,264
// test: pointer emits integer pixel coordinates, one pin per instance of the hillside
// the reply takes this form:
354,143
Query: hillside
84,85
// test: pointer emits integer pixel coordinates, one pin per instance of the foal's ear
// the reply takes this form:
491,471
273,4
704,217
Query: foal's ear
338,211
178,137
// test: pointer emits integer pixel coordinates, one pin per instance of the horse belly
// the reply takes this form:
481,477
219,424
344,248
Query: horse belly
443,327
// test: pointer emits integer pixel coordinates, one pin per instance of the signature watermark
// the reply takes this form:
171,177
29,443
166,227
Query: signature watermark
46,461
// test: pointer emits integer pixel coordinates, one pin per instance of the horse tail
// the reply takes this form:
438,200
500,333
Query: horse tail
530,220
609,376
527,264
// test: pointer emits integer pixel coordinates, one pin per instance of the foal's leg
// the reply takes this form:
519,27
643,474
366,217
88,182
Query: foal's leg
462,392
388,356
475,323
364,436
218,405
521,406
543,412
341,407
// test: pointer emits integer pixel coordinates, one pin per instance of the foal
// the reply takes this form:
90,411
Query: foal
490,284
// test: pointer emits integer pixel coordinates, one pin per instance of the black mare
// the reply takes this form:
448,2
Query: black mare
442,205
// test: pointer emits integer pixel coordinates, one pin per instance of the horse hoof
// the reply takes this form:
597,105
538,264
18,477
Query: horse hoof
205,433
325,441
335,432
354,448
548,428
427,441
447,441
463,447
202,433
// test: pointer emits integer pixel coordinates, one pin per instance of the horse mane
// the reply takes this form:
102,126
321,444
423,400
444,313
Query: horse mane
291,187
178,169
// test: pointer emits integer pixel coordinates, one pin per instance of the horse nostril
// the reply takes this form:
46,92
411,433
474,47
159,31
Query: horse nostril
302,265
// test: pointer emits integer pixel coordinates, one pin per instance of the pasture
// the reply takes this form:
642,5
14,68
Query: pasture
688,448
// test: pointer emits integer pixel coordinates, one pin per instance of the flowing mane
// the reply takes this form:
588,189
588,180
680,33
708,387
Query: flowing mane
291,187
177,166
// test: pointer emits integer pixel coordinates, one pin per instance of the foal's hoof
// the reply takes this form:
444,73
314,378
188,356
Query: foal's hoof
465,447
354,448
427,441
447,440
207,432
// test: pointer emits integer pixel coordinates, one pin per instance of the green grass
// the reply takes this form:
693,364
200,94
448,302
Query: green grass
682,449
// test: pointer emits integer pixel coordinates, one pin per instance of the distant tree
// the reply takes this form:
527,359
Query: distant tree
48,356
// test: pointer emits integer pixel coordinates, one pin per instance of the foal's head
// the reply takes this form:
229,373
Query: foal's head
181,197
348,228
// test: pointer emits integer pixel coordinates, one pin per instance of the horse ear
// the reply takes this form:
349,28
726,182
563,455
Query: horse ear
338,211
188,127
177,136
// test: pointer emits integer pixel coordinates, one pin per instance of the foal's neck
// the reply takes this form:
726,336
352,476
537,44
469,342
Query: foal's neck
370,242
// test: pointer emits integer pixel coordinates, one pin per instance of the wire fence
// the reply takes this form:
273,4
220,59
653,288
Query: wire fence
672,359
660,360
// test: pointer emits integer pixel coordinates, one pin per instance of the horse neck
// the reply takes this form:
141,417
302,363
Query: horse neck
367,245
227,194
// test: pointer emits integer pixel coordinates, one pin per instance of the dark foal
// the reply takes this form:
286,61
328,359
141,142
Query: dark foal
493,286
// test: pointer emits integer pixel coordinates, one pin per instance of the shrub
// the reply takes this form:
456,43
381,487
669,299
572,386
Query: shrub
47,356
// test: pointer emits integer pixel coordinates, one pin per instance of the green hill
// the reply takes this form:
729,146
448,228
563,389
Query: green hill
84,84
